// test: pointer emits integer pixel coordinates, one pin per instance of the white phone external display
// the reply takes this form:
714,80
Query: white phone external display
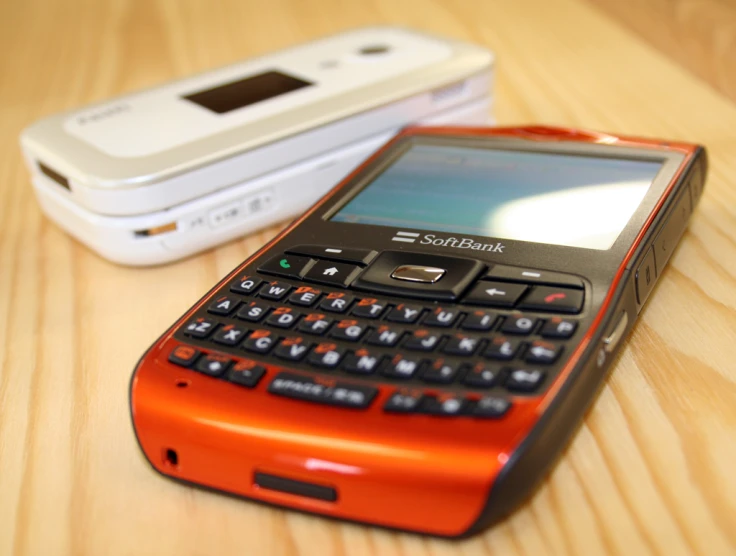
157,175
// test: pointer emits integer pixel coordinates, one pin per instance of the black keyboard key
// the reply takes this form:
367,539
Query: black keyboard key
362,362
554,299
440,372
223,305
445,406
246,373
336,302
400,367
502,348
348,330
479,320
183,356
523,380
369,308
292,349
404,313
283,317
519,324
213,364
200,328
332,274
542,352
329,392
557,327
384,336
490,407
245,285
422,340
314,323
352,255
229,335
304,296
481,376
532,275
441,317
461,345
326,355
495,294
260,341
403,401
253,311
274,290
288,266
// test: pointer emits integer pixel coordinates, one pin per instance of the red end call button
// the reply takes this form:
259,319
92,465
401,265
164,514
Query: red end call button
555,300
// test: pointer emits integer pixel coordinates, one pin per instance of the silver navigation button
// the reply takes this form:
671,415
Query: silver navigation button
418,273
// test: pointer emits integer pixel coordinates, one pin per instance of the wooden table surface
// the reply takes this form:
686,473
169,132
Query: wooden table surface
651,470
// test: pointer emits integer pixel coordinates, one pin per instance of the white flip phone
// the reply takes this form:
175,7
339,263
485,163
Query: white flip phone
160,174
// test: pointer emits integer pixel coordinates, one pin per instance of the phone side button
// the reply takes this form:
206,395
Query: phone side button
646,276
612,340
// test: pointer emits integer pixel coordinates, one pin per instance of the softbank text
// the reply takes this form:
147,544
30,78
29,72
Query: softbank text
462,243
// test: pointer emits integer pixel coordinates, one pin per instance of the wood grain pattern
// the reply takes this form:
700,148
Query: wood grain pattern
698,34
649,472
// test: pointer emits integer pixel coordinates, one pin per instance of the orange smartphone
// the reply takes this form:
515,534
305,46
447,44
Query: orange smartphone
416,350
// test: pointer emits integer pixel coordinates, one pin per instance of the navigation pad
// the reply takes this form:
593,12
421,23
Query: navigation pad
459,274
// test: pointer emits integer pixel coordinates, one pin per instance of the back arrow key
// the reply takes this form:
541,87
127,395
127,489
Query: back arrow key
494,291
495,294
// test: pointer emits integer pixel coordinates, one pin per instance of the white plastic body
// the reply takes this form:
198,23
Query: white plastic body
155,149
153,161
229,213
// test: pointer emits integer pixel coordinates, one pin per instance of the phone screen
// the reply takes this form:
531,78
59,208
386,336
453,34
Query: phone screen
559,199
247,91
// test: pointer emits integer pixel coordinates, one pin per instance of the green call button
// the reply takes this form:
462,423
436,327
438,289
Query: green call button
290,266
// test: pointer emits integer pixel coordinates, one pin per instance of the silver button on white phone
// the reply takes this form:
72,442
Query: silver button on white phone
418,273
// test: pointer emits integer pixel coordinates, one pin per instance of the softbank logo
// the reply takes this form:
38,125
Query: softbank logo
453,242
406,237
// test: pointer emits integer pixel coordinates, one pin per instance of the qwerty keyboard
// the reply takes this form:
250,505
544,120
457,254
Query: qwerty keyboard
509,334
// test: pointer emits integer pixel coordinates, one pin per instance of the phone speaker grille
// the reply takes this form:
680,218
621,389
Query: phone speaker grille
292,486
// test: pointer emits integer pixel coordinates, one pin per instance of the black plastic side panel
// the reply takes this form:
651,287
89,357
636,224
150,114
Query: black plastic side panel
536,455
533,459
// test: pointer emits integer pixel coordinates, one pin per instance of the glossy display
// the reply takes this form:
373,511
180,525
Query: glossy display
247,91
577,201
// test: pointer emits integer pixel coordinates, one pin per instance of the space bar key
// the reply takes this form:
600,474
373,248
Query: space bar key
322,390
